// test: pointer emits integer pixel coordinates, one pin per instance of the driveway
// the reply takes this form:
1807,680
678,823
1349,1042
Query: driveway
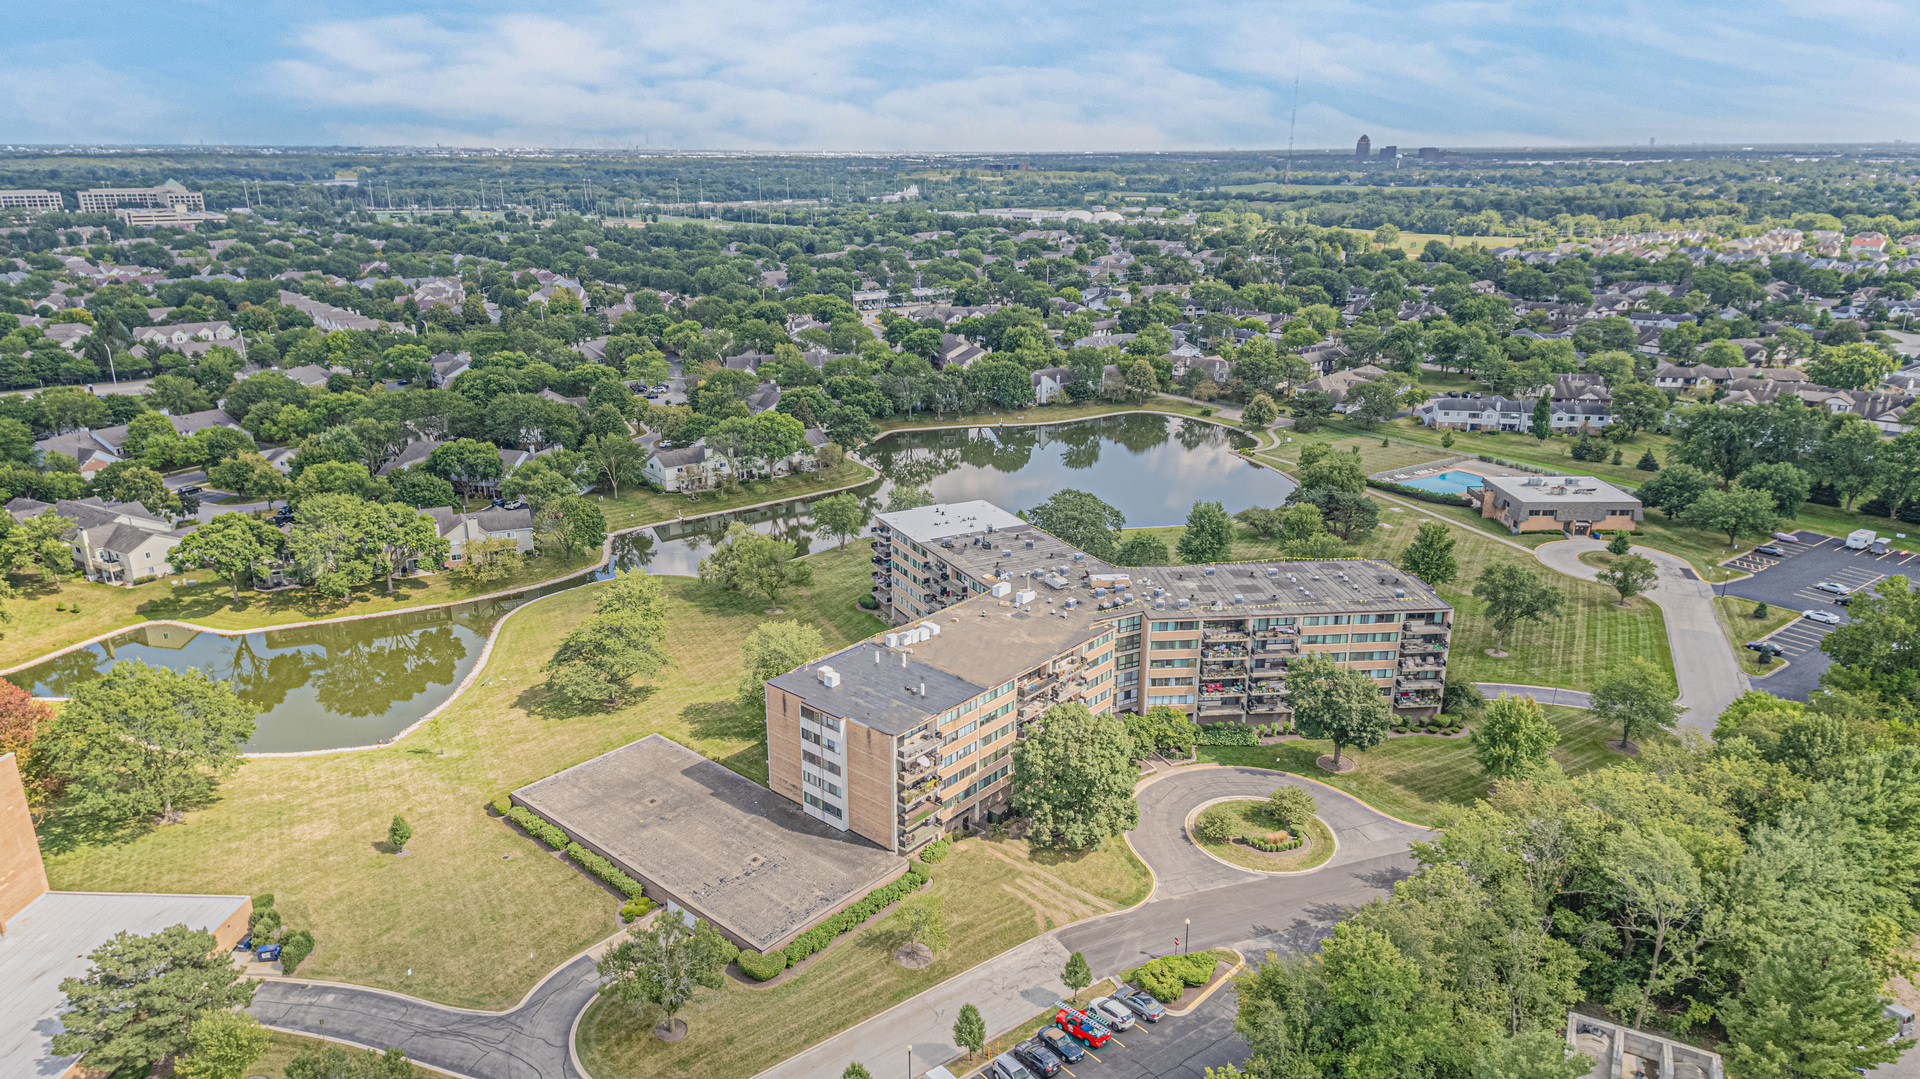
1703,661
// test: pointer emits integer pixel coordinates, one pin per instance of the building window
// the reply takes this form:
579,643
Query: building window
1176,645
822,805
1164,664
1176,698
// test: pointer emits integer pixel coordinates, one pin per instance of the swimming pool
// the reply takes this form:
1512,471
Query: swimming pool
1446,483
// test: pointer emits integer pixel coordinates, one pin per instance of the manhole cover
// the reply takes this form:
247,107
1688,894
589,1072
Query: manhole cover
652,801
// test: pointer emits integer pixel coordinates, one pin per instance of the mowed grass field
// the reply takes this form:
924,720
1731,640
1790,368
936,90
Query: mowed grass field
994,893
478,912
1421,778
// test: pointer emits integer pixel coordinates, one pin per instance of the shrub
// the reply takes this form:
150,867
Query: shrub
502,803
1167,977
936,851
294,949
634,908
821,935
263,925
1290,807
1418,495
75,607
868,603
263,901
1217,824
1228,734
537,828
1274,842
1399,730
762,967
605,870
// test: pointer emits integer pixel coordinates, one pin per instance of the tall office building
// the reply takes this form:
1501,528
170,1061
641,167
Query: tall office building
1389,153
1363,149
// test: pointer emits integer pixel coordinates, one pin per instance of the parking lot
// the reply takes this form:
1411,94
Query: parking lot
1177,1047
1790,581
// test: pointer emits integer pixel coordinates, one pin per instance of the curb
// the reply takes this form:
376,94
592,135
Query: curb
1186,825
362,1045
1237,967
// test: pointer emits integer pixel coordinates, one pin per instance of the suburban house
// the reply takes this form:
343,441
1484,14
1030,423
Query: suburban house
449,365
763,398
1049,383
1476,413
1576,505
180,333
492,523
805,459
97,449
694,468
112,543
1339,384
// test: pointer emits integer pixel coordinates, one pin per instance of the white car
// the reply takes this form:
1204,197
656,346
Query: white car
1832,586
1117,1015
1828,617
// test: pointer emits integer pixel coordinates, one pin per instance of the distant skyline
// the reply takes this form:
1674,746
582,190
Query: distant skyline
995,76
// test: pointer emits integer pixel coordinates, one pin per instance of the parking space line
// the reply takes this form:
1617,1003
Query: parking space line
1068,1070
1096,1060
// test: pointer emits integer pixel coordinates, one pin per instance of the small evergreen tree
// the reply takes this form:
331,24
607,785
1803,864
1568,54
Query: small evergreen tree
1761,610
1648,462
398,833
1619,544
970,1030
1077,975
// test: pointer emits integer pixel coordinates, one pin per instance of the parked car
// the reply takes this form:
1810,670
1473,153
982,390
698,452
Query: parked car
1117,1015
1090,1029
188,490
1007,1066
1786,537
1828,617
1772,550
1844,601
1765,647
1062,1044
1879,546
1039,1059
1835,587
1142,1004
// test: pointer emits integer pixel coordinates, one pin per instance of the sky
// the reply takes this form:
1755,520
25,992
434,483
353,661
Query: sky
994,75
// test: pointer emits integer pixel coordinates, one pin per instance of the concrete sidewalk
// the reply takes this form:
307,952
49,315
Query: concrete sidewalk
1703,661
1571,698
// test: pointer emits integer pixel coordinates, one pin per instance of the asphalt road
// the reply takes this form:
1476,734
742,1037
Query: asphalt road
1787,582
526,1042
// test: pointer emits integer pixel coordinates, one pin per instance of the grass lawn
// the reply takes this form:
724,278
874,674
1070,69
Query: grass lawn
476,911
639,505
287,1046
1418,778
1254,823
1570,651
1050,413
1736,618
995,896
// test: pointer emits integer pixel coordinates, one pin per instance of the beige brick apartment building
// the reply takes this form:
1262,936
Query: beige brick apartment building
902,736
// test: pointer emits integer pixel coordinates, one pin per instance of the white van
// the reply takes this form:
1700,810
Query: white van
1859,538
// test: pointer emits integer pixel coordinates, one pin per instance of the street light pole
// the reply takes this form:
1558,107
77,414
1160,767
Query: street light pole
1187,939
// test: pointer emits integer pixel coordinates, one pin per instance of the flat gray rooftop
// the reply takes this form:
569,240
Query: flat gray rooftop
711,840
49,941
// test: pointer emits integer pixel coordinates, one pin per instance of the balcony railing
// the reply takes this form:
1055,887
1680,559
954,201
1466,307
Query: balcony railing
918,747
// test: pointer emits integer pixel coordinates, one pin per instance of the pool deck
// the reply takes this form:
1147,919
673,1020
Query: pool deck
1472,466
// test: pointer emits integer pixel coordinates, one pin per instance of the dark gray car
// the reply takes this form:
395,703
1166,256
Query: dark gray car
1142,1004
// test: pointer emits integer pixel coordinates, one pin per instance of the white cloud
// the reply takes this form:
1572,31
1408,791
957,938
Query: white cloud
45,97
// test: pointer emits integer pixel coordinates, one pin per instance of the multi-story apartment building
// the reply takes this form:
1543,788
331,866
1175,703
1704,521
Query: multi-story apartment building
172,195
31,199
901,737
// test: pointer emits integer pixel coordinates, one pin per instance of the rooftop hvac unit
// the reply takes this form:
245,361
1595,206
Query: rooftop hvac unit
1000,588
1159,604
893,640
1238,598
1183,604
1272,573
1006,552
1023,597
1399,593
1158,592
1129,597
829,678
1029,545
1209,571
1099,592
1072,602
932,628
1079,556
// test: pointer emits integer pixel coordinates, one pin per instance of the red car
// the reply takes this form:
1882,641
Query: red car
1082,1026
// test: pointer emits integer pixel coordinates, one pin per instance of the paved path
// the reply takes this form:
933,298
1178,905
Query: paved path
525,1042
1572,698
1254,912
1710,677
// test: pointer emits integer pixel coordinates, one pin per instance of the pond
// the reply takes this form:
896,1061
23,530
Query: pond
360,682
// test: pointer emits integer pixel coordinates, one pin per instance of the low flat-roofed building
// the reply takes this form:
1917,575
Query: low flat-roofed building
700,835
1576,505
31,199
46,936
171,195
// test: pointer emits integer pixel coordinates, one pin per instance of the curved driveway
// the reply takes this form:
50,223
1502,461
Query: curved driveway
1703,660
1254,912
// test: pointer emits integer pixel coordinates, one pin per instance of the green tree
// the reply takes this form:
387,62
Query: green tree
329,543
250,476
1846,459
1077,975
1510,596
146,741
124,481
1723,442
1141,380
581,525
140,998
1630,575
232,544
1535,1054
402,534
1323,466
1082,520
1430,555
1620,544
1787,484
614,460
1209,534
1851,367
1674,489
1638,696
840,516
1073,778
398,832
923,921
1339,704
1660,896
774,648
1810,1011
1259,413
1143,549
1542,422
749,561
1513,739
664,963
1290,807
466,462
970,1029
1741,511
421,489
1311,409
222,1045
624,639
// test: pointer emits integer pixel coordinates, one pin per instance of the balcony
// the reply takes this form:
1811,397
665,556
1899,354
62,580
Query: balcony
1220,708
918,747
1038,686
1285,646
922,833
1268,704
1224,636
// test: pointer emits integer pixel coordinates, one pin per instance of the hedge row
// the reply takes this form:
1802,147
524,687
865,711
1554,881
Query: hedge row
294,949
1228,734
1258,843
1418,495
761,967
1167,977
821,935
546,833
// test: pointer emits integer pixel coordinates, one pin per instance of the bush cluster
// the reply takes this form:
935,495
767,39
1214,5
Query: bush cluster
762,967
936,851
502,803
1229,734
1440,724
821,935
637,907
294,949
1275,842
1167,977
1436,497
546,833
